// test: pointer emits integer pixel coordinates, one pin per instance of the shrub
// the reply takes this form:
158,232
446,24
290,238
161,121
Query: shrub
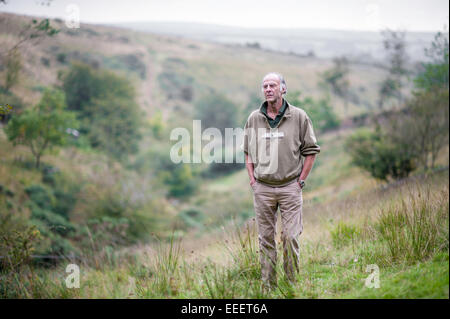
54,222
182,183
17,246
375,153
40,195
49,213
61,57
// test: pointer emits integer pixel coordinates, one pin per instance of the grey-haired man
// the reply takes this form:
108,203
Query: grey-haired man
280,148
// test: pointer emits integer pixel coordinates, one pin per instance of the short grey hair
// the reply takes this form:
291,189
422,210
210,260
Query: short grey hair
281,78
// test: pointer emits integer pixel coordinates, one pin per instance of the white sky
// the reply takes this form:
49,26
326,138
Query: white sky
410,15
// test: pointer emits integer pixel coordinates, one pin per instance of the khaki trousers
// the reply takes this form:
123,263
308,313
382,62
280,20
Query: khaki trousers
266,200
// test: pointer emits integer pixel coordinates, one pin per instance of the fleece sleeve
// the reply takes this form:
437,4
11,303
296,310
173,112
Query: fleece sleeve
309,144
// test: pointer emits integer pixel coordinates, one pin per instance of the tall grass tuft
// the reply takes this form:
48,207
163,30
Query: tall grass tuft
220,283
166,263
417,228
246,256
343,234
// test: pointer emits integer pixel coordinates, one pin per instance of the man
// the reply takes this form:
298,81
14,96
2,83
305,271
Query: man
280,149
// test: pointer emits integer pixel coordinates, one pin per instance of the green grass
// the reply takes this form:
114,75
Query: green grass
406,237
403,230
429,279
330,266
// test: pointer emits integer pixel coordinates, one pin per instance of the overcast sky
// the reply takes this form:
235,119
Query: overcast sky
410,15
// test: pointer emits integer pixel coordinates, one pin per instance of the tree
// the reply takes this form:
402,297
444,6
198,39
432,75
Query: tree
44,126
105,105
336,78
32,33
422,128
81,85
389,88
395,45
436,71
415,134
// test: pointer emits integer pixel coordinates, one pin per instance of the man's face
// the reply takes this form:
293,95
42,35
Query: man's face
271,88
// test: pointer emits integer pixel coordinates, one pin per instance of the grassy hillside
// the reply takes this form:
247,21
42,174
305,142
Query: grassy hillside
340,240
125,227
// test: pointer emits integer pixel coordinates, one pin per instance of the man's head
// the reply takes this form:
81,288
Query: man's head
273,86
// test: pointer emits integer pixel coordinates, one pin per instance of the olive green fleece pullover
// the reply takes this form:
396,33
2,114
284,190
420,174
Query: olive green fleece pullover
277,152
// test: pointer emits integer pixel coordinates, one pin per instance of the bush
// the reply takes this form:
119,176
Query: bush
61,57
54,222
51,243
17,247
41,196
378,155
181,181
49,213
